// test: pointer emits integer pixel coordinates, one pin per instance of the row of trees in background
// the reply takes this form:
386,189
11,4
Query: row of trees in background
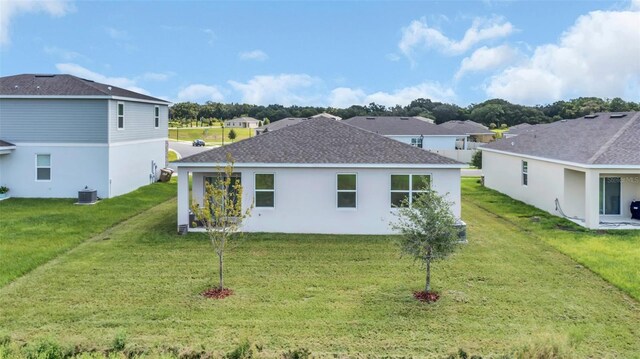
496,111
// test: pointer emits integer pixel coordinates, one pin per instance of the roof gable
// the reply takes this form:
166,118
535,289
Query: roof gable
467,127
399,126
321,141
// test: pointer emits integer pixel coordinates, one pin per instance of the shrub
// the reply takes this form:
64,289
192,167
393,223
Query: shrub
45,349
242,351
492,125
503,126
119,341
300,353
476,160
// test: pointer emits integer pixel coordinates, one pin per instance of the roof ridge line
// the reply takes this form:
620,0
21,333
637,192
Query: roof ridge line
613,138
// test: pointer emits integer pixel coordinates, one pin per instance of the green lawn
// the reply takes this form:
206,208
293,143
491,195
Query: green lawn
33,232
614,254
335,295
210,135
172,156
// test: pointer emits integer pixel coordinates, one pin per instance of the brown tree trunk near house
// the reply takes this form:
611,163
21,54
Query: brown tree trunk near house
220,255
427,287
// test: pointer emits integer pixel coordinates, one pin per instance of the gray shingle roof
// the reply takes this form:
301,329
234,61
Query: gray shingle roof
399,126
321,141
603,140
63,85
6,144
276,125
525,128
467,127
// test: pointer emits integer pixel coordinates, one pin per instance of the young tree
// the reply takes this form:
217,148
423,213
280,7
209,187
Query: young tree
232,134
221,212
428,229
476,160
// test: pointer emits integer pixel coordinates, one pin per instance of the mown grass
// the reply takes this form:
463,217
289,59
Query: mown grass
334,295
210,135
172,156
613,254
33,231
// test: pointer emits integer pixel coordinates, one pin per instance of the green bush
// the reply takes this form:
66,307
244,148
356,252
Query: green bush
45,349
476,160
119,341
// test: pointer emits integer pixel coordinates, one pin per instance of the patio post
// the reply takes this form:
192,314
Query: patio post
592,199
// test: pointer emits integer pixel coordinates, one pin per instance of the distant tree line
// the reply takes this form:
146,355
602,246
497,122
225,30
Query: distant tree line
493,113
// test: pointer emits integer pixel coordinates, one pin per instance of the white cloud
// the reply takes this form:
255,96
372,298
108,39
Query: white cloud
116,34
597,56
344,96
420,35
200,92
10,8
255,55
488,58
284,89
79,71
64,54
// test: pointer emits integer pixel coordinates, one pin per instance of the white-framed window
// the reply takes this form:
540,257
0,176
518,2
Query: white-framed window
346,188
156,116
406,187
525,173
43,167
120,113
417,142
265,190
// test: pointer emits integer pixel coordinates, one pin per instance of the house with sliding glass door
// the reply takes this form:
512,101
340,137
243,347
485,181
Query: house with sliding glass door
60,134
320,176
586,170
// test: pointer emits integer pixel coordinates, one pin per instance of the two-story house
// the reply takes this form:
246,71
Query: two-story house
60,133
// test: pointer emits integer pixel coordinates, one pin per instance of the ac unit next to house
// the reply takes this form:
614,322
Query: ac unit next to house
87,196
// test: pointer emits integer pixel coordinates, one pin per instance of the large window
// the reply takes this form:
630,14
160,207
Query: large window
265,190
417,141
406,188
525,173
610,189
120,115
156,117
218,181
43,167
347,190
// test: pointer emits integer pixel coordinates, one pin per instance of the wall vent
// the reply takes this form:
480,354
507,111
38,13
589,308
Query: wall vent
617,115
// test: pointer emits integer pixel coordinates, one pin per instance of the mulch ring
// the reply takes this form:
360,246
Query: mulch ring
428,297
217,293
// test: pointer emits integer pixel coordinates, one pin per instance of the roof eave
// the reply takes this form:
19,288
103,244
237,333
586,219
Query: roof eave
322,165
568,163
86,97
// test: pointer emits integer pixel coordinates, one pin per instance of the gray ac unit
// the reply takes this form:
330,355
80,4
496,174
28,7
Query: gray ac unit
87,196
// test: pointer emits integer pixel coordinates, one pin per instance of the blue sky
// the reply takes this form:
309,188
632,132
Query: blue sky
333,53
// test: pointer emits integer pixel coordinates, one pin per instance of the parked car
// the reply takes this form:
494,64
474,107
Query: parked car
198,143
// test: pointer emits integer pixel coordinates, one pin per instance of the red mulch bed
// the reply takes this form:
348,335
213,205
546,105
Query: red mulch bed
428,297
217,293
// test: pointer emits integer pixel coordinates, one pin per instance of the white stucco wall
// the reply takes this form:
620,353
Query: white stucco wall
130,164
573,203
431,142
305,199
503,173
72,168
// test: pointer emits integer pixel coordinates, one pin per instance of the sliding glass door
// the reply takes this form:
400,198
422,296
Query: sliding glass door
610,195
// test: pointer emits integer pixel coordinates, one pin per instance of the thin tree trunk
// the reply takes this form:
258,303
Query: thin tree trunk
221,267
427,287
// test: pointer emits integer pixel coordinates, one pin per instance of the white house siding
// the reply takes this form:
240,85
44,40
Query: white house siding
73,166
430,142
573,204
305,199
503,173
139,122
130,164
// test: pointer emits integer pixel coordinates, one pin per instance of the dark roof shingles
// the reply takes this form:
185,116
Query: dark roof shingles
63,85
320,141
399,126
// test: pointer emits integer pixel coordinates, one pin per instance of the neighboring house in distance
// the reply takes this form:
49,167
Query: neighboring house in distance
60,133
242,122
478,133
416,132
276,125
525,128
587,169
321,176
327,115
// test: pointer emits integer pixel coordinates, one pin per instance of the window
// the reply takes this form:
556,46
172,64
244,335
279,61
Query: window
156,117
610,190
406,188
417,141
43,167
120,115
525,173
265,190
346,190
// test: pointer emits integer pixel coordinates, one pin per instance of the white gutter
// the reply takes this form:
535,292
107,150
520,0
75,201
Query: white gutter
319,165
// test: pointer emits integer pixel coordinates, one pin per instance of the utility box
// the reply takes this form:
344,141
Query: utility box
87,196
462,231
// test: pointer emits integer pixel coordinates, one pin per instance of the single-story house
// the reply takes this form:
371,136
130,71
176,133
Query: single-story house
276,125
586,169
478,134
60,133
327,115
320,176
242,122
